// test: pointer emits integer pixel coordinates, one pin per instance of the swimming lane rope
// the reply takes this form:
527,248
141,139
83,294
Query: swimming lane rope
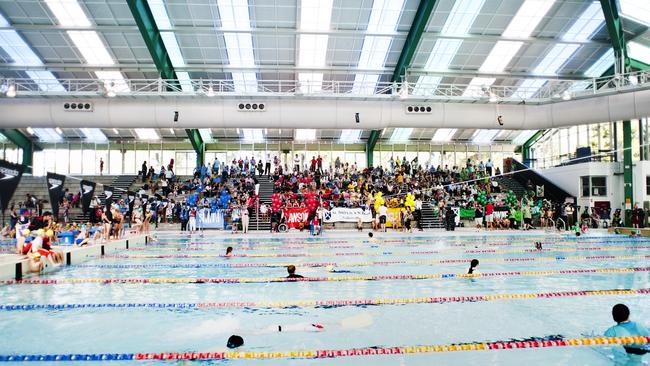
320,279
332,353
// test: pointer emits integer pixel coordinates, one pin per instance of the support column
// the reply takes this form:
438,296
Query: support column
627,171
370,146
17,138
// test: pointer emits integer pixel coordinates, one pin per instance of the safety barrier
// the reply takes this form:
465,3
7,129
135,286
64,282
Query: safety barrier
332,353
362,264
367,253
322,279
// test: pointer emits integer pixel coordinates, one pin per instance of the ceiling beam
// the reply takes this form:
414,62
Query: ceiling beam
208,30
616,35
151,36
425,9
638,65
340,70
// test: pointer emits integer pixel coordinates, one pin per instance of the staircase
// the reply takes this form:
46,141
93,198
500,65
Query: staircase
522,175
429,219
121,184
266,194
508,184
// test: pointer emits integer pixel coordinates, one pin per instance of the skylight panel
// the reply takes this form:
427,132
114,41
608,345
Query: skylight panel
639,52
484,136
527,18
22,55
47,135
603,64
444,135
462,17
587,24
304,135
159,12
113,80
637,10
400,135
365,84
315,15
173,50
91,47
476,86
426,85
252,135
529,88
234,14
68,13
523,136
17,49
206,134
146,134
94,135
349,136
500,56
553,61
458,23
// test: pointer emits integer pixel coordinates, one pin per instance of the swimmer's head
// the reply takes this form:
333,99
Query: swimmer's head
620,313
330,268
235,341
474,263
370,235
228,250
291,269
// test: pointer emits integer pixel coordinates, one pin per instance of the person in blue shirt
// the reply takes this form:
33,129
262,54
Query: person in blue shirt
626,328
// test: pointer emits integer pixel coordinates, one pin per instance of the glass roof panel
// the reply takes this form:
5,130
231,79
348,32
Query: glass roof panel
637,10
527,18
349,136
444,134
400,135
68,13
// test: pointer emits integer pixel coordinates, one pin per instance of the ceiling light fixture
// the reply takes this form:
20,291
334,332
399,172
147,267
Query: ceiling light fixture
493,98
404,92
566,95
58,130
11,91
115,131
30,130
210,92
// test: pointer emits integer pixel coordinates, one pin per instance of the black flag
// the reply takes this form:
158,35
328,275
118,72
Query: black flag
87,193
108,192
131,196
55,189
144,198
10,175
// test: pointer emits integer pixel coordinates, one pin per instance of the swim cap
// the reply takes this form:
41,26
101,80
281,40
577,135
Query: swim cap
235,341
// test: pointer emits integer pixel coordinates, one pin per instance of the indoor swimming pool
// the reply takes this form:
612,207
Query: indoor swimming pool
395,299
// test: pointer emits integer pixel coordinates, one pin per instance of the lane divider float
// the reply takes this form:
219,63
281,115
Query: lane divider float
333,353
320,279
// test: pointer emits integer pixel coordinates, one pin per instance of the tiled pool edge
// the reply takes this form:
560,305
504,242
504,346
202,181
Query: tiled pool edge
15,269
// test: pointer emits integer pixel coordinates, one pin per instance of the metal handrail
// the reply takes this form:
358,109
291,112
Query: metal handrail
553,91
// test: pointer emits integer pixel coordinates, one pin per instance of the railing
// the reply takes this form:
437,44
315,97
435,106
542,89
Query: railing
553,91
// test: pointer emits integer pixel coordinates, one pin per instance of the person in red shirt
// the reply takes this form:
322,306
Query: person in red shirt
315,226
489,210
320,163
313,163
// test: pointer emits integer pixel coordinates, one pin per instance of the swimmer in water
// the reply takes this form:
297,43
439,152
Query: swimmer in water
626,328
472,266
292,272
355,322
538,245
332,269
229,252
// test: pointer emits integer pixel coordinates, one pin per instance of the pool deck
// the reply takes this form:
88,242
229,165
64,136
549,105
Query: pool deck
14,266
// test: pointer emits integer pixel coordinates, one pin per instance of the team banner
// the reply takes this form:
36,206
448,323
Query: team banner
130,195
108,193
393,217
206,219
295,217
87,193
55,189
10,175
339,214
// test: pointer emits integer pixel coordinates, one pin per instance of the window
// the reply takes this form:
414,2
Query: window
647,185
593,186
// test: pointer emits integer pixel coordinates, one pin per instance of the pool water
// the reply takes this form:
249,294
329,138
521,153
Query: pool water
155,319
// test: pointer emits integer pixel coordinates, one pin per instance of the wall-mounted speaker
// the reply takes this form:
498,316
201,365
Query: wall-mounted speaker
77,106
418,109
251,107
